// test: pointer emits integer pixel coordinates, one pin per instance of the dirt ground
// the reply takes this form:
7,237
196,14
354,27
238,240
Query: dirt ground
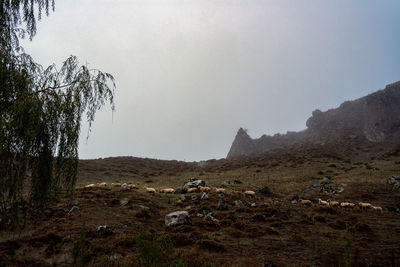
277,230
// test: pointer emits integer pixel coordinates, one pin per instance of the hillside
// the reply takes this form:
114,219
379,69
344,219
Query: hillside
375,118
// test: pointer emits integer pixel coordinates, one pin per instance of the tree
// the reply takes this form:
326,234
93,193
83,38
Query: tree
41,110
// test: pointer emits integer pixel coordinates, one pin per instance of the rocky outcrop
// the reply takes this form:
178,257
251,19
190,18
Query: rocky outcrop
375,117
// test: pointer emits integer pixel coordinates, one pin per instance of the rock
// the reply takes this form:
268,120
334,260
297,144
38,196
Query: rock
221,195
180,191
73,209
209,217
199,215
326,180
294,201
177,218
75,202
253,205
124,201
395,181
222,205
195,183
143,207
182,198
105,230
315,183
227,182
264,191
194,197
204,196
124,185
340,189
237,182
188,207
239,203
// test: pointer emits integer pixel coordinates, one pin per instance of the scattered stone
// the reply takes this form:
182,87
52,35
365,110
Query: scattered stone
105,230
239,203
195,183
177,218
266,192
188,207
326,180
180,191
209,217
340,189
294,201
199,215
124,201
73,209
253,205
75,202
194,197
237,182
221,195
124,185
227,182
315,183
182,197
222,205
395,181
204,196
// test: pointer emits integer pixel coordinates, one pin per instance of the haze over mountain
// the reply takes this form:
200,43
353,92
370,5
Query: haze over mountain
375,117
190,73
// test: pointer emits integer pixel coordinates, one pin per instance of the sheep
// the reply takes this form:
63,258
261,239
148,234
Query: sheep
131,186
150,190
191,190
305,202
379,209
323,203
334,203
220,190
116,184
345,204
90,185
365,205
167,190
102,184
204,188
250,193
352,205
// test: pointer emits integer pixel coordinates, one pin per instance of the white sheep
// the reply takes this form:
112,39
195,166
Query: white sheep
102,184
323,203
220,190
250,193
334,203
150,190
167,190
378,209
191,190
305,202
89,185
204,188
365,205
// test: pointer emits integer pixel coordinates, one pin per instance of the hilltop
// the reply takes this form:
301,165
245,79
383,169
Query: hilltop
374,118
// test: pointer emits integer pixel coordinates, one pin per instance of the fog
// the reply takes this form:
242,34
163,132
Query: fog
189,73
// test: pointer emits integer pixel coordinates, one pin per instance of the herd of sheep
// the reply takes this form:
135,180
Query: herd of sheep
361,205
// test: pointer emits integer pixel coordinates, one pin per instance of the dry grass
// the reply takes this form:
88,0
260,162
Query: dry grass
277,230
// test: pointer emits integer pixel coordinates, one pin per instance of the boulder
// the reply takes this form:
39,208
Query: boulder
204,196
195,183
239,203
105,230
124,201
177,218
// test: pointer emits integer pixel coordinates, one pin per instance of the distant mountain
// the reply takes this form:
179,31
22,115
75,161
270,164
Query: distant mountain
375,118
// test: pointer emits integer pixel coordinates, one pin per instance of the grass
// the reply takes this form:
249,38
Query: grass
276,230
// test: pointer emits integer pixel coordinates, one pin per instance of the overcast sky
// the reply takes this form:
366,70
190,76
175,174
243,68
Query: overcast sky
189,73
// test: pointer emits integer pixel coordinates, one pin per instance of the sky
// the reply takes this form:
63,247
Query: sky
190,73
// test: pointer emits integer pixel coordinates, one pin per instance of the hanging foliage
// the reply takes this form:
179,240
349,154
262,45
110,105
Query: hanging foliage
41,110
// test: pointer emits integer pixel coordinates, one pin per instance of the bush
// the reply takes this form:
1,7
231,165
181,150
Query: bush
155,250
